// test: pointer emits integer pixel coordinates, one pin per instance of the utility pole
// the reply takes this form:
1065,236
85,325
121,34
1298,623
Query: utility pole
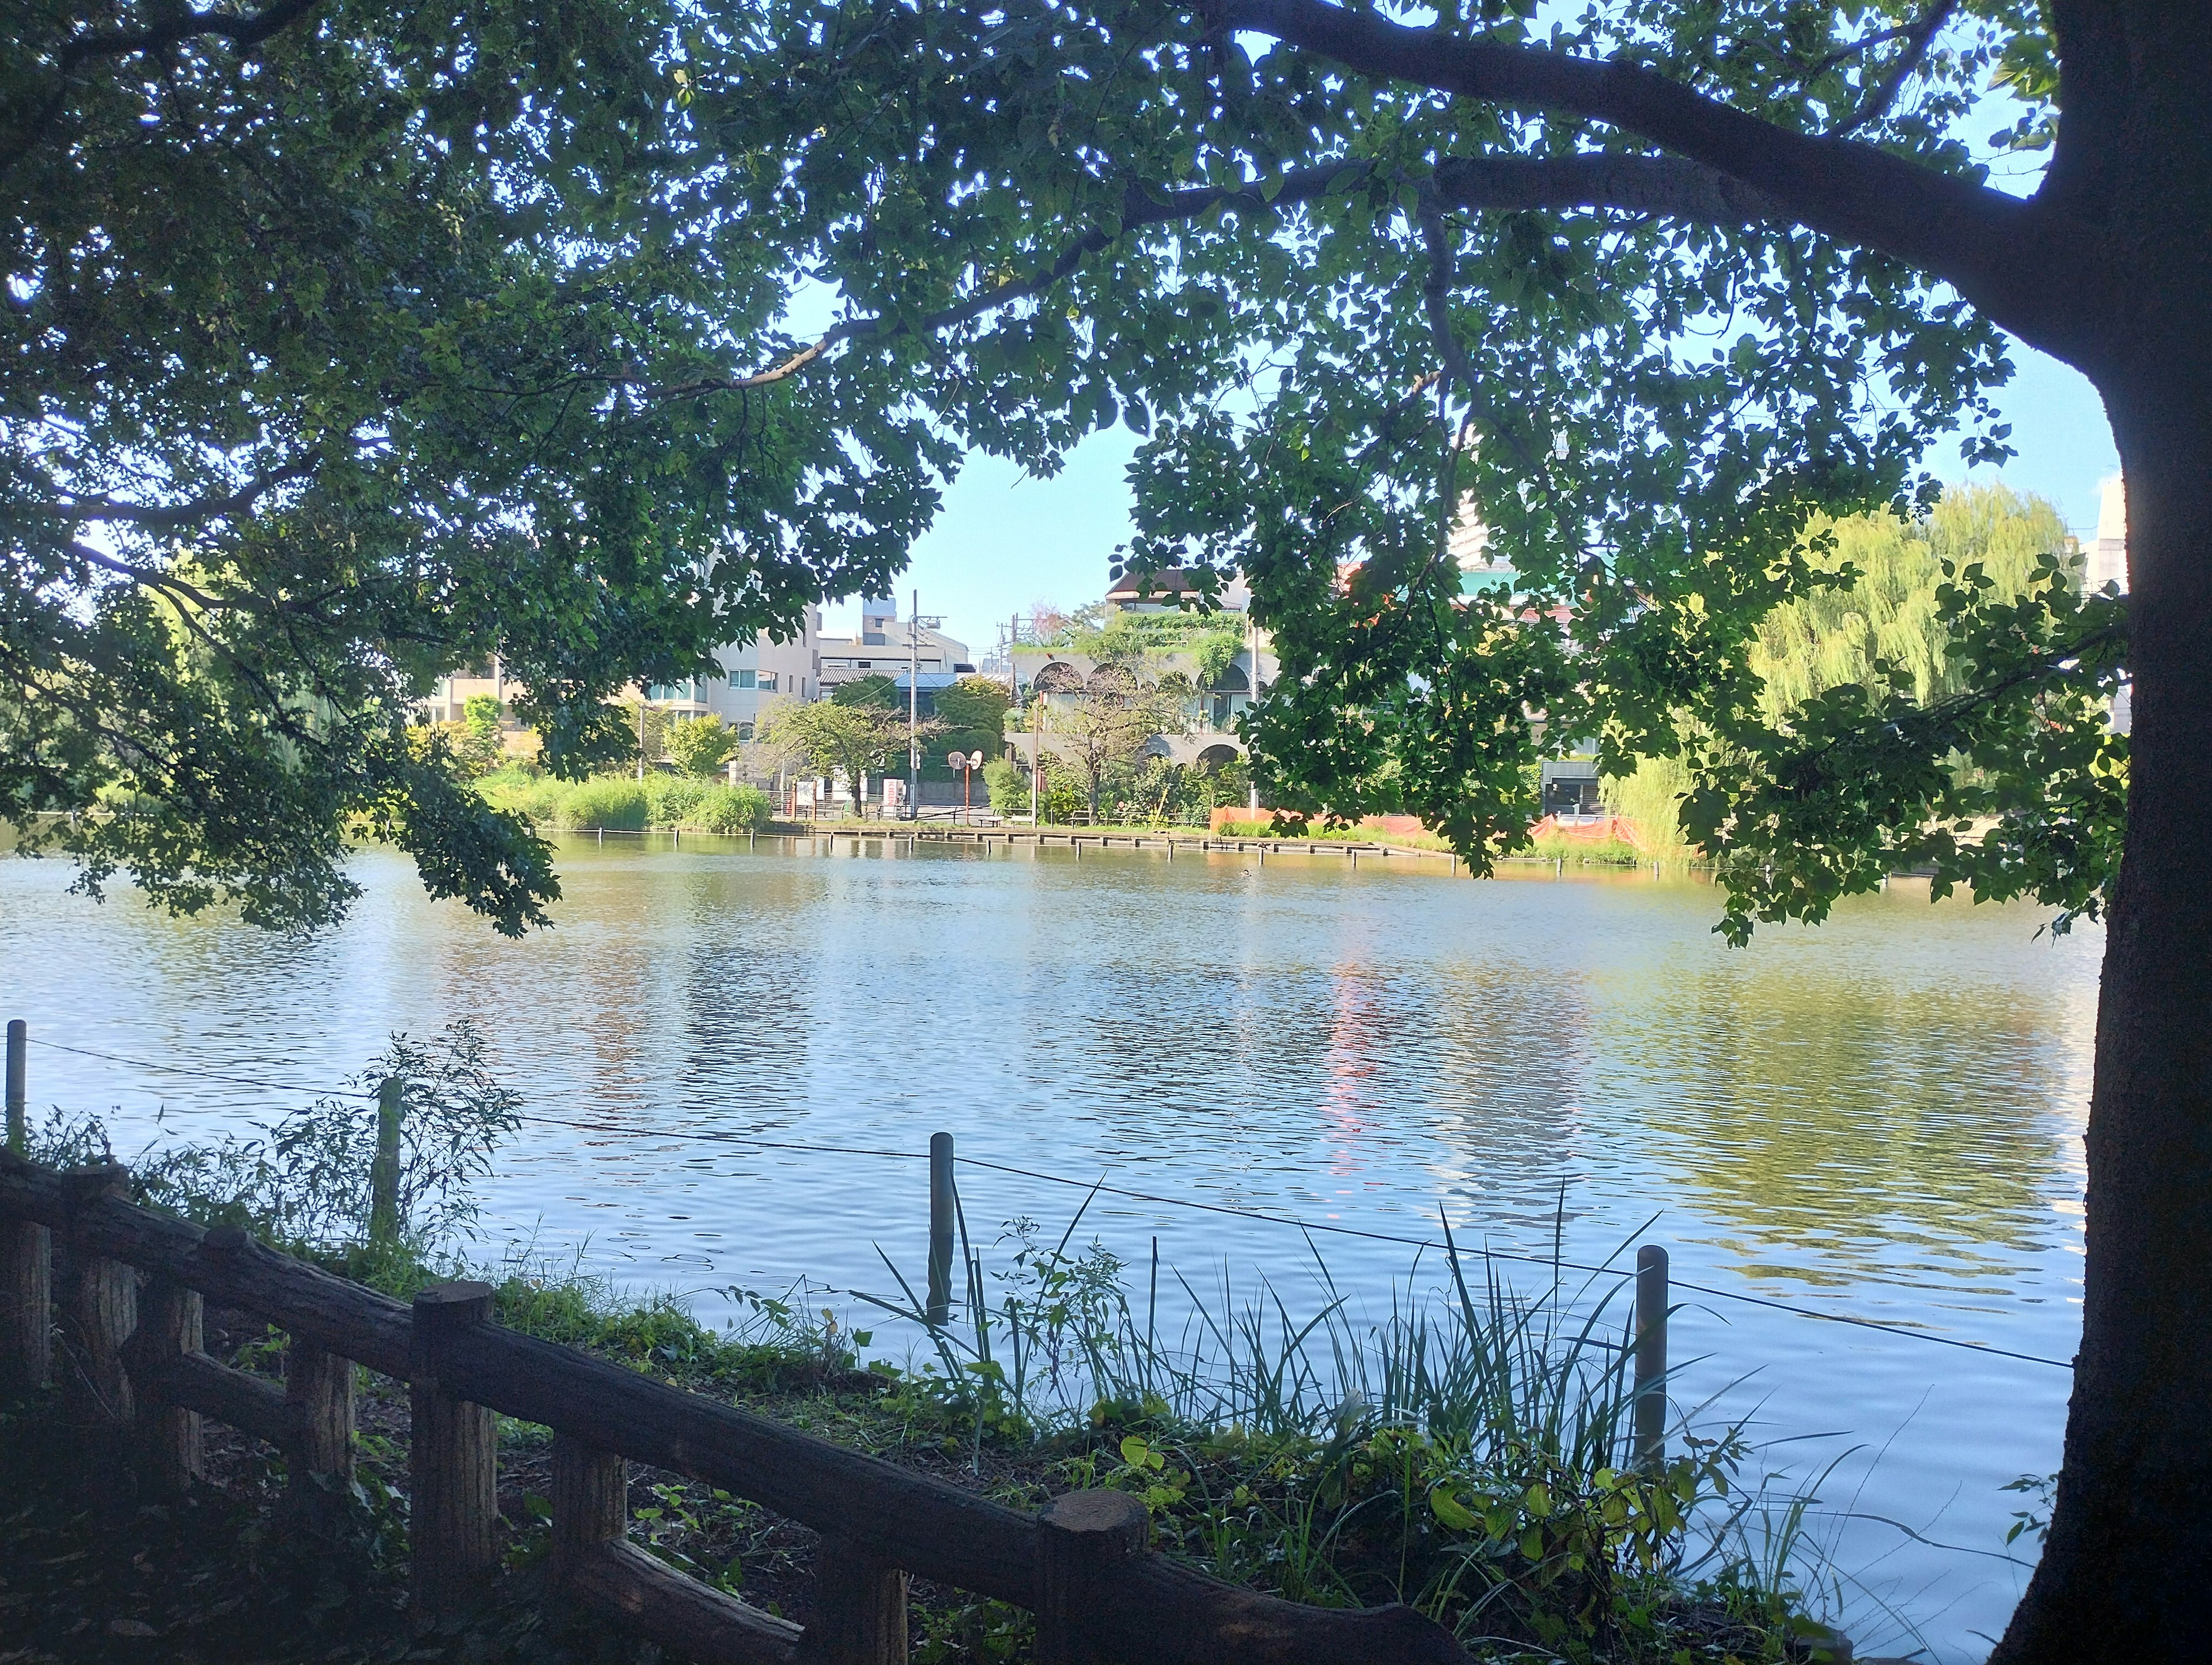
914,707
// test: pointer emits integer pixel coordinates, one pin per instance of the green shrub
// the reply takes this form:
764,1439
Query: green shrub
732,810
669,800
604,801
1064,796
1008,783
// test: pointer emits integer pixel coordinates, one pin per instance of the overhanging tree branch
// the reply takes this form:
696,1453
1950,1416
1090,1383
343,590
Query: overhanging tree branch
1139,207
175,516
175,27
1996,249
1669,186
1918,38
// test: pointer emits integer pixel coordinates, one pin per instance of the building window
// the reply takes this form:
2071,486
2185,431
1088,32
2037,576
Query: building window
864,665
745,731
741,679
768,680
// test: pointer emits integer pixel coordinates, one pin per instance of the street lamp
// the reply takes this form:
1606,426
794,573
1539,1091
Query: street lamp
966,764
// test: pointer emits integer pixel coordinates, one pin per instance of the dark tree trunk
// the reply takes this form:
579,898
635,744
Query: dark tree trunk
2127,1573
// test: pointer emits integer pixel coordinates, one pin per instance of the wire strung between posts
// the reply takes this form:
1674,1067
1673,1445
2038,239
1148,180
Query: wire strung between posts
1526,1260
714,1136
212,1075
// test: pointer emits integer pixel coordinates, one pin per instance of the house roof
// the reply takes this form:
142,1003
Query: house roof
1154,586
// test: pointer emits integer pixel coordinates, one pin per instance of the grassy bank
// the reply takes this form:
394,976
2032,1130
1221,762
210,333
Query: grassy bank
1464,1450
622,803
1470,1472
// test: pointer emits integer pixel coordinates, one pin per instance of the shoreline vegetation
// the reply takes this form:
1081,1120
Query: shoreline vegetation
1466,1452
667,803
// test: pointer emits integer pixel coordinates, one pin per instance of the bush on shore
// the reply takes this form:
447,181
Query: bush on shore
621,803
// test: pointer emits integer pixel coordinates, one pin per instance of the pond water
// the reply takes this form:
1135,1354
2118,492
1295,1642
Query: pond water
1879,1119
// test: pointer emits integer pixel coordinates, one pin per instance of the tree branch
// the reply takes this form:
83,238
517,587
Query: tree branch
240,29
178,25
1917,39
1987,244
1139,207
1669,186
169,518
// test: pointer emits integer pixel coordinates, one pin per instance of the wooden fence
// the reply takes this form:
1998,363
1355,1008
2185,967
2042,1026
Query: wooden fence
133,1377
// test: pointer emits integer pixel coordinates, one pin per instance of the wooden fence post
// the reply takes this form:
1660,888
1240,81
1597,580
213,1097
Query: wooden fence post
1080,1534
591,1501
171,1326
384,1167
452,1464
27,1319
319,1389
942,1209
1651,1356
100,1310
26,1316
860,1608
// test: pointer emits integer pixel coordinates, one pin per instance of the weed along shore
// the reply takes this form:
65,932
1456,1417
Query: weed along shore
245,1371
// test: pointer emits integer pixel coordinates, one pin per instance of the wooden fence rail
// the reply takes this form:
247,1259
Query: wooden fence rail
133,1370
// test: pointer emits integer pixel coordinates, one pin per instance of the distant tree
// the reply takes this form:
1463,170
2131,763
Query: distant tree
1882,634
645,734
851,741
1102,730
1008,783
484,739
1045,623
879,691
971,716
701,745
1885,630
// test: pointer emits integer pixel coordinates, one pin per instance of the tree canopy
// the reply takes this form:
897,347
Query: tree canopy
348,342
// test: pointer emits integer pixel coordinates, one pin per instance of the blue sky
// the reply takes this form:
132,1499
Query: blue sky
1004,540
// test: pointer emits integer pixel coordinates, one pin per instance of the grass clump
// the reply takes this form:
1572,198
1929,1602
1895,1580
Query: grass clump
619,803
1469,1455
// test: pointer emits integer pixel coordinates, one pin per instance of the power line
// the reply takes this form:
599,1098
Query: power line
715,1136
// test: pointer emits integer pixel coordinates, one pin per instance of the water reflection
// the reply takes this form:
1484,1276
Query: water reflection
1881,1117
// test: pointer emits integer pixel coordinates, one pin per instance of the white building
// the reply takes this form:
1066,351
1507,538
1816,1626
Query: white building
2105,556
755,676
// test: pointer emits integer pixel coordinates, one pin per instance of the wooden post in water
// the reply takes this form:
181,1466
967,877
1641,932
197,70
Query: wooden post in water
452,1463
1651,1356
384,1167
942,1211
1081,1535
19,1045
27,1323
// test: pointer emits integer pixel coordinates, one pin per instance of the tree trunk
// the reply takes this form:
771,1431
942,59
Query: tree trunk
2128,1568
